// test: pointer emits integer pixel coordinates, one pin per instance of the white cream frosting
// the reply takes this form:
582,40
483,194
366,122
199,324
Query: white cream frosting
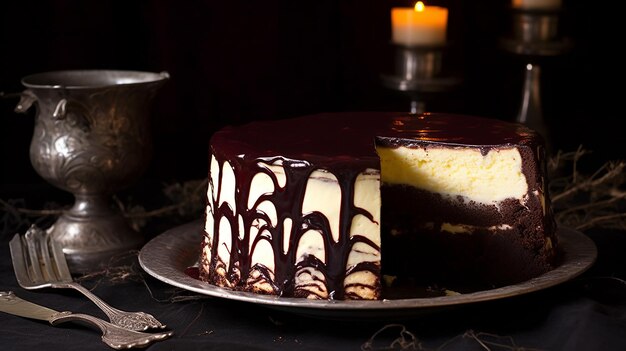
323,194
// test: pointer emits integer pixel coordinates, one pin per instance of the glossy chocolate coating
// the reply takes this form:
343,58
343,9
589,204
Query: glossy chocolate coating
333,137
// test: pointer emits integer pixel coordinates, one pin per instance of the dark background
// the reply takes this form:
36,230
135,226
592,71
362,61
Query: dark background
236,61
233,61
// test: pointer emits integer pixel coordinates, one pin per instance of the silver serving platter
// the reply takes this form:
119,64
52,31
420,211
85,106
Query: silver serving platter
168,256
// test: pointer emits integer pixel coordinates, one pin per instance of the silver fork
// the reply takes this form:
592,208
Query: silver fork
40,263
112,335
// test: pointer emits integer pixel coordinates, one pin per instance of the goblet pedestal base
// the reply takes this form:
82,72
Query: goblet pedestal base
92,242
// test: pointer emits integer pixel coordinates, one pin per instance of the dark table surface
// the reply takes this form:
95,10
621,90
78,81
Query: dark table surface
586,313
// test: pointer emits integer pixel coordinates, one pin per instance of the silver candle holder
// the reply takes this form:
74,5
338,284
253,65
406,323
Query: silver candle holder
418,71
535,35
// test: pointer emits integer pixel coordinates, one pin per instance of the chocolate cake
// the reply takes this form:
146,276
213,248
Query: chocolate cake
325,206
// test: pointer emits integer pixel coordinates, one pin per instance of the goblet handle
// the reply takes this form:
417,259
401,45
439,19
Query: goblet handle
27,98
60,110
80,111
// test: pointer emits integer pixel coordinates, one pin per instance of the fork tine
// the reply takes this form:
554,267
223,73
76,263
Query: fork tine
19,261
35,268
58,256
47,269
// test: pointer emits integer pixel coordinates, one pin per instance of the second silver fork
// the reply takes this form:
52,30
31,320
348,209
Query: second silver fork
40,263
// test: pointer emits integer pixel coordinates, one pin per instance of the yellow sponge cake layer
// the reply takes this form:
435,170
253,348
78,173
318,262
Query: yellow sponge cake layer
484,178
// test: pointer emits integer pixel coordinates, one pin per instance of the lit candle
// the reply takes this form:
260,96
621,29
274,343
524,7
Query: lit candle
537,4
421,25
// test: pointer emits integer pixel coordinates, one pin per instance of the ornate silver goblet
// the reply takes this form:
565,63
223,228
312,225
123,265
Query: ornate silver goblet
91,138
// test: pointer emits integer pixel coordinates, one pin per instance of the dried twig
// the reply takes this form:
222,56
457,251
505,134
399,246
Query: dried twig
188,202
405,341
602,219
408,341
29,212
585,201
611,172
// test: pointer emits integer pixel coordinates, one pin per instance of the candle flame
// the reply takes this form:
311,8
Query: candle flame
419,6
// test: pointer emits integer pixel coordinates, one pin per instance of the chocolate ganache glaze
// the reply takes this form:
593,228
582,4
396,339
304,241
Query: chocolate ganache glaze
331,138
343,144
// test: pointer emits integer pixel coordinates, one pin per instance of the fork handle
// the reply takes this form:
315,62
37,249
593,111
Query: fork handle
131,320
114,336
109,310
